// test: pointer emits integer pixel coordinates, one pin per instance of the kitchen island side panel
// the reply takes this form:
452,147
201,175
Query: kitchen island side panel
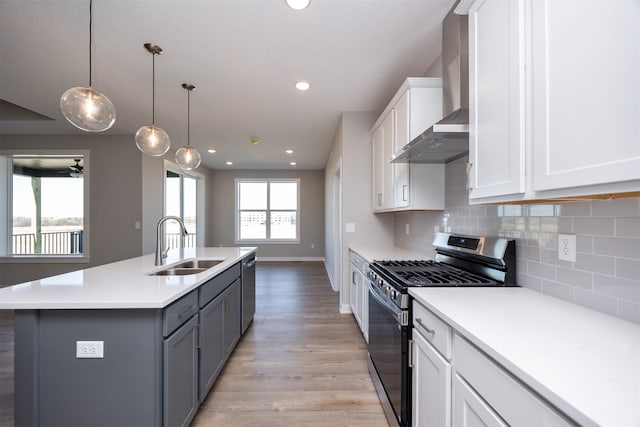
122,388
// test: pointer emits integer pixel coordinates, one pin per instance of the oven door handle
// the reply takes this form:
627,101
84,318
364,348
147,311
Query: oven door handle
400,315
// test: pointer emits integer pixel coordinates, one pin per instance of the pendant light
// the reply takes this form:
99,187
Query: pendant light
188,157
153,140
85,107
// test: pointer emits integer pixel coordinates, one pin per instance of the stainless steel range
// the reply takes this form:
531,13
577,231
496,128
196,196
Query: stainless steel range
460,261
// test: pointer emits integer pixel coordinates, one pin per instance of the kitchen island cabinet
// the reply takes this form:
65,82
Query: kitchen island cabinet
539,125
154,333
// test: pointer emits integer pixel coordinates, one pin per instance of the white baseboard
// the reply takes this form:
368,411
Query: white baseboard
345,309
290,259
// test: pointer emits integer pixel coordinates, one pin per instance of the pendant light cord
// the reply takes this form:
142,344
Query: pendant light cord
90,38
153,89
188,116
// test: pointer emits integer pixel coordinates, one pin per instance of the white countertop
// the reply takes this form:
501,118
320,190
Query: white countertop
585,363
387,252
123,284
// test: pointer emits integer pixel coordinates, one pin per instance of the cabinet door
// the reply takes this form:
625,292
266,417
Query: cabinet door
181,375
377,172
469,410
388,169
401,138
353,292
363,305
232,318
496,98
586,93
431,388
211,346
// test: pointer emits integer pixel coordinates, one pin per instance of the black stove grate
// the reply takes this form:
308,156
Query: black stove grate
430,273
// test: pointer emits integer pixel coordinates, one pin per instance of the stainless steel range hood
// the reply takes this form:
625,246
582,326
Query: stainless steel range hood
447,139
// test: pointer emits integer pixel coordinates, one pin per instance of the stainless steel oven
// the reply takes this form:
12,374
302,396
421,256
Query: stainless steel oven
461,261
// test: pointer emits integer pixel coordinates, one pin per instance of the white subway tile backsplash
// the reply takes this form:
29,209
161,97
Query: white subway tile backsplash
621,288
606,274
579,279
602,303
628,227
595,226
595,263
628,269
628,310
617,246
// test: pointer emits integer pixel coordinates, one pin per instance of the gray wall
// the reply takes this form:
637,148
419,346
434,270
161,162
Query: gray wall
221,214
115,201
606,274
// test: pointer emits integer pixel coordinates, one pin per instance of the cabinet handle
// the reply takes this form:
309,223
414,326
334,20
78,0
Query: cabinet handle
425,327
404,192
197,336
353,277
186,311
410,353
467,174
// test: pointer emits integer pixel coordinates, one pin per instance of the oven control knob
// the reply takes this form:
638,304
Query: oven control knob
394,294
379,282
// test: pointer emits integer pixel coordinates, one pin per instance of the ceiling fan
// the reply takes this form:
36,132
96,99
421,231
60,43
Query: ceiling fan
76,170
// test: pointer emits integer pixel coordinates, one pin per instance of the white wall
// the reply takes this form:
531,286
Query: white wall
353,145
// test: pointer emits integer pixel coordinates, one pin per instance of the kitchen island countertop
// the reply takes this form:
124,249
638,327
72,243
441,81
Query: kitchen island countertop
122,284
585,363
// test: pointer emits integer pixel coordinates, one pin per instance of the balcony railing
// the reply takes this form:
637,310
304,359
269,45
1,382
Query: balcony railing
173,240
52,243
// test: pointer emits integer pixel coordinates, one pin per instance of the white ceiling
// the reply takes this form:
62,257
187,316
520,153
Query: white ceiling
243,56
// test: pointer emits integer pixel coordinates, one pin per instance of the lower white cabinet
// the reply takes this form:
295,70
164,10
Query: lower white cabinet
359,292
470,410
431,385
456,384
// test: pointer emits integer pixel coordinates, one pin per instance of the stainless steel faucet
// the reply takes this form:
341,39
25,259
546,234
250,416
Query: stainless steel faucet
160,254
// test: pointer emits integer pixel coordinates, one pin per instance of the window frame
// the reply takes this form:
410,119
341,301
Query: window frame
6,216
200,198
268,211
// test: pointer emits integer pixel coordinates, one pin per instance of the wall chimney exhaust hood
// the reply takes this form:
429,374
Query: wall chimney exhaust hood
447,139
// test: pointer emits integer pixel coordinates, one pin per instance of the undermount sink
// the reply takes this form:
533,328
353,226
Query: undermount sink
177,271
185,268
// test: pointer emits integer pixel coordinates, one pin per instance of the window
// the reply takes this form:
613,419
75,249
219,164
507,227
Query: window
267,210
45,194
183,194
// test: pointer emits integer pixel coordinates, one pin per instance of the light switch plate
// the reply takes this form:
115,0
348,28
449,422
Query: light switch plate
567,247
89,349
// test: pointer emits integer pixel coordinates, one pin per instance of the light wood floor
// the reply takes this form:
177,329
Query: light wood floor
301,363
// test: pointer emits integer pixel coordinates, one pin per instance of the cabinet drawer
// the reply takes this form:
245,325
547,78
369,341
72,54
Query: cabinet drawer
438,333
516,404
213,287
179,312
358,262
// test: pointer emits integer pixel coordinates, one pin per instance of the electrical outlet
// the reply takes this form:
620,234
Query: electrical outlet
406,229
567,247
89,349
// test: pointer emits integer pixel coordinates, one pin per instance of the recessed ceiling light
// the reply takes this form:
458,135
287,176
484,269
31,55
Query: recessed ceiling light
211,151
302,85
254,141
229,163
289,151
298,4
293,163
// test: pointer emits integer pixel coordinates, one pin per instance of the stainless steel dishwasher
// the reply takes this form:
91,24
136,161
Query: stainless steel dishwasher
248,291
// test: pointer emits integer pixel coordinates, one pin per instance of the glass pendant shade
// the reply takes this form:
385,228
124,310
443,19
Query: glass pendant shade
152,140
187,157
87,109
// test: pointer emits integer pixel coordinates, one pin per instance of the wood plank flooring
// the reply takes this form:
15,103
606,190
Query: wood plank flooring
301,363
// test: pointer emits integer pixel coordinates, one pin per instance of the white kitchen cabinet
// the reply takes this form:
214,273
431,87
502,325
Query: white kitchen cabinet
511,400
546,120
431,384
496,98
405,186
359,292
470,410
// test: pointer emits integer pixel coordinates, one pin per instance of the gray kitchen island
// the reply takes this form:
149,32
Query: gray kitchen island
127,343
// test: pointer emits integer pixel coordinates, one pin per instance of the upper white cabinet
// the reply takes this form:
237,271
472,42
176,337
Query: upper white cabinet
404,186
554,98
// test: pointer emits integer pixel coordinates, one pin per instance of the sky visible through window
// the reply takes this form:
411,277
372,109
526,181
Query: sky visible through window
61,197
